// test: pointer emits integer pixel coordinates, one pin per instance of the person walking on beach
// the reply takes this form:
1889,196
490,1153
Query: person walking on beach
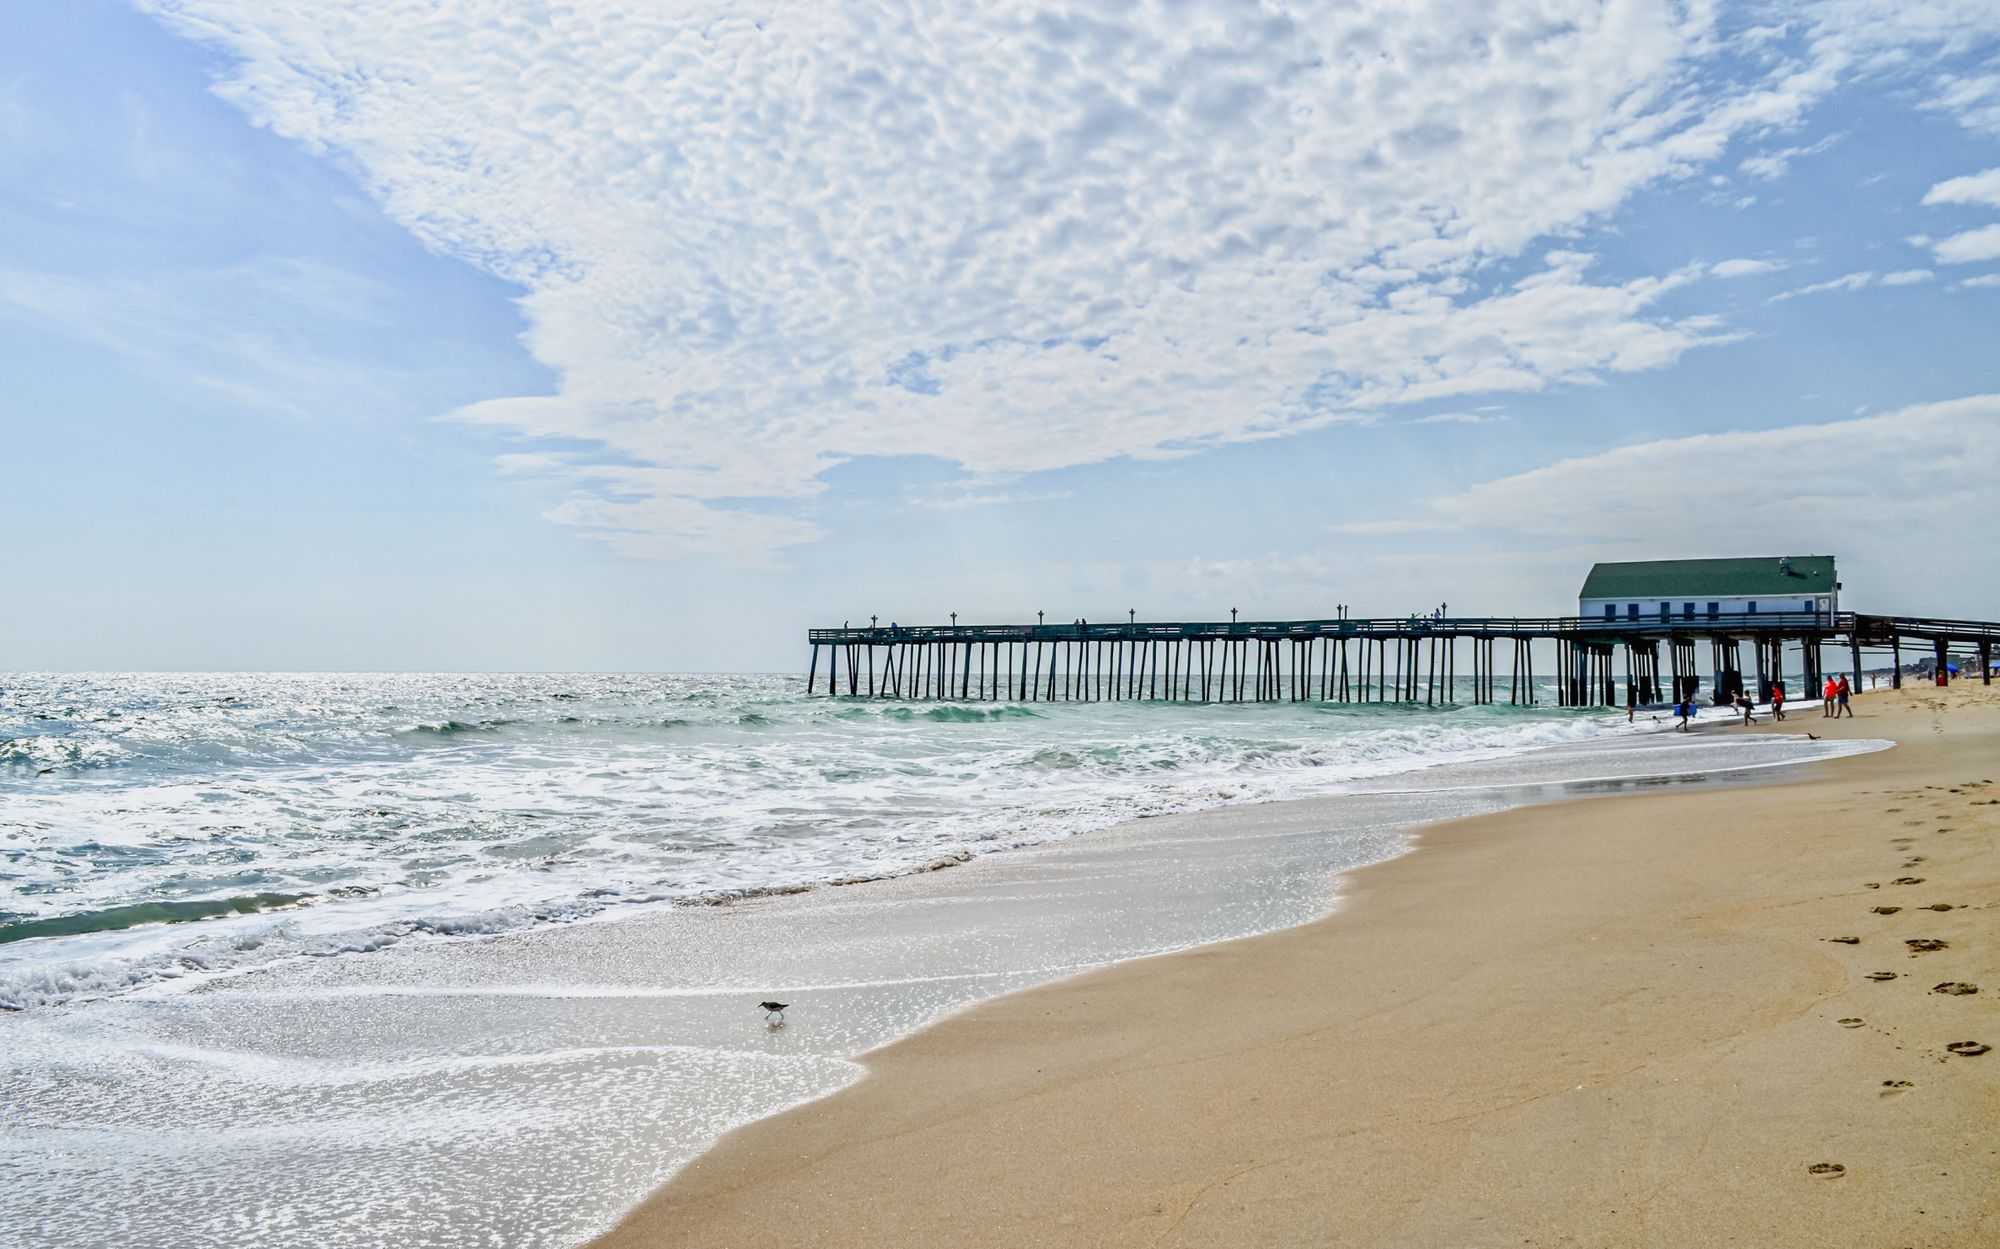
1685,710
1832,690
1840,693
1743,705
1778,701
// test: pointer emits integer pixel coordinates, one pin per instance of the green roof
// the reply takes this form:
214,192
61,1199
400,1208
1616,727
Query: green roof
1724,578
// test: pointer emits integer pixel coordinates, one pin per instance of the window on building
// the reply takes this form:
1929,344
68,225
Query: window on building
1714,609
1687,609
1666,609
1752,608
1611,611
1806,606
1631,611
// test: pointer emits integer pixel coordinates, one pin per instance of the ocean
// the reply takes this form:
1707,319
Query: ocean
472,959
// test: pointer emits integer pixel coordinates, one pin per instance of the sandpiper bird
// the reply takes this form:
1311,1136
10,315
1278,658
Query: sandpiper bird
774,1010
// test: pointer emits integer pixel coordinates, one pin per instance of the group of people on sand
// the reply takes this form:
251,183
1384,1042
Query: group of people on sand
1833,704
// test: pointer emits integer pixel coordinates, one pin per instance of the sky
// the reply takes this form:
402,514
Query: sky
612,334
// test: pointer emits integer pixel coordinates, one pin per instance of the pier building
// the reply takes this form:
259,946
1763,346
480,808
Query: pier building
1689,589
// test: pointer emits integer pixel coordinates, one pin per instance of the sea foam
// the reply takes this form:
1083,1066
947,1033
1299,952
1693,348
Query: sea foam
288,815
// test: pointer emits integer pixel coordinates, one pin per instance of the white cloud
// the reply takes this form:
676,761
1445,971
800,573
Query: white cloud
1845,282
1969,247
1777,164
1976,188
1743,268
1792,487
268,333
1860,489
956,502
1856,488
1907,277
1982,281
1974,100
754,243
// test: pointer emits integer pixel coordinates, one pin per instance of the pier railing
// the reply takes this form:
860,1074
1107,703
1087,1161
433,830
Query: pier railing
1373,627
1408,658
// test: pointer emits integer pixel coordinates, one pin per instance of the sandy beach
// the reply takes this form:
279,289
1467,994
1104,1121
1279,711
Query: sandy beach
1680,1019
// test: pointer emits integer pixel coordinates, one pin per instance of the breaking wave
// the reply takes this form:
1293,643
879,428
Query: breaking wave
252,818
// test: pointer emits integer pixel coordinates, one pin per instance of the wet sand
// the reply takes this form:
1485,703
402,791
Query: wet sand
1719,1016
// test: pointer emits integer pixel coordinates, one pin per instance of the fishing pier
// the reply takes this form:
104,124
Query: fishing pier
1418,659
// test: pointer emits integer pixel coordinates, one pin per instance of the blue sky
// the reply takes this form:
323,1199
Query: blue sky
368,335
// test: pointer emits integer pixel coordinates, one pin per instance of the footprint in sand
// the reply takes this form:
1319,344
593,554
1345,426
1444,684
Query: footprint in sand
1907,880
1843,940
1939,906
1968,1049
1956,988
1826,1168
1892,1087
1881,975
1851,1022
1925,945
1885,910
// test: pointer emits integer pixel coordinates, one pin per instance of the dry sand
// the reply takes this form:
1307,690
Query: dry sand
1631,1020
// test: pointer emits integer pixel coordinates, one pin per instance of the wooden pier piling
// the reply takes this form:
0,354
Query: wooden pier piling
1409,660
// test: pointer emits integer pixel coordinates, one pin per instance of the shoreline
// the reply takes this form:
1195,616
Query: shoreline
1372,1077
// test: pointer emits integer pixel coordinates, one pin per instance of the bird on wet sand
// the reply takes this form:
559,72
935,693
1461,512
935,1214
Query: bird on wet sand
773,1011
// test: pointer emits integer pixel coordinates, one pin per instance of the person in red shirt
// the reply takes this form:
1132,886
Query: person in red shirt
1840,696
1778,700
1832,691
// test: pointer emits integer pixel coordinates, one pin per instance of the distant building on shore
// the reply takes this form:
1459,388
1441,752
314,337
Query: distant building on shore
1705,589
